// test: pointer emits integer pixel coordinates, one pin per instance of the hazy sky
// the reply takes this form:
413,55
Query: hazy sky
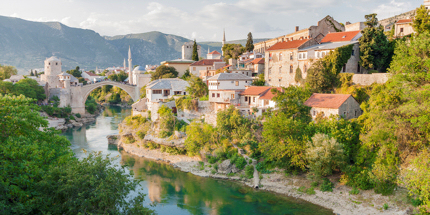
200,19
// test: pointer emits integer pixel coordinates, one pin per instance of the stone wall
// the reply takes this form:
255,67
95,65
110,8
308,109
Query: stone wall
394,19
369,79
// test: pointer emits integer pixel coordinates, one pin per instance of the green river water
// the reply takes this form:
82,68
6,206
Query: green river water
175,192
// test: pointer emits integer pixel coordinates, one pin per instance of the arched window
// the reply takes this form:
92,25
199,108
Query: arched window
291,56
280,56
291,68
280,69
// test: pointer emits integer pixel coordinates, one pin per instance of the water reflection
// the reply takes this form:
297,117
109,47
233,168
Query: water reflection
177,192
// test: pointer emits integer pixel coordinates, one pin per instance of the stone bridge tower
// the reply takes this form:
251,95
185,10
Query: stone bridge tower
52,70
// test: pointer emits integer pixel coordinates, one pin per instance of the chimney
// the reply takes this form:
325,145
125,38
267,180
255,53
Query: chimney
297,28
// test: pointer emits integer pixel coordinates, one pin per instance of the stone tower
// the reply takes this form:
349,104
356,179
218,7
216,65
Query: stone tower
187,50
223,42
52,70
130,67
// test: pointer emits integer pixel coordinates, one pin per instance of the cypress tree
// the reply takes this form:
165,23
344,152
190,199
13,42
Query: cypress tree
31,73
249,43
195,56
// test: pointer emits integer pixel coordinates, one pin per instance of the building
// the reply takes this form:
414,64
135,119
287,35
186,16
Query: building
324,26
257,97
163,89
206,65
181,65
282,61
358,26
140,79
93,78
329,43
256,66
214,55
52,70
326,105
187,50
403,28
15,78
427,4
224,89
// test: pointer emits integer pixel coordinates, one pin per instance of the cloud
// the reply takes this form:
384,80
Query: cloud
392,8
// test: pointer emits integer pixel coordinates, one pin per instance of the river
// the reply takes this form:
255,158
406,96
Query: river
171,191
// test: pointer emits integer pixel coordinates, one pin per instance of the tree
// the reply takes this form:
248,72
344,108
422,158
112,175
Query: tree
7,71
195,56
75,72
421,22
35,73
298,77
31,73
197,88
186,75
324,155
29,88
167,121
249,43
260,81
375,49
232,51
291,102
166,71
82,80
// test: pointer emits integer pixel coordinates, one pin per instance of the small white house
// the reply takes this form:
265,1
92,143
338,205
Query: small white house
162,89
326,105
93,78
260,97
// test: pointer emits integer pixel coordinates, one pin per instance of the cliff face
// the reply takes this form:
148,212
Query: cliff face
394,19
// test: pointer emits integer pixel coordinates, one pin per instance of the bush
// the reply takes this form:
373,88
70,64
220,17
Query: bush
166,121
72,117
326,186
240,162
152,145
354,191
249,171
141,134
78,115
385,206
324,155
310,191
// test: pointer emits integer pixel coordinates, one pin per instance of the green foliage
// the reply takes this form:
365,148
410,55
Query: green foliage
239,161
232,51
114,98
197,88
90,105
195,56
199,135
375,50
181,126
71,117
291,102
82,80
187,74
260,81
27,87
263,167
167,121
327,185
75,72
172,150
56,111
143,92
322,76
40,174
164,71
310,191
324,155
360,93
78,115
298,76
120,77
354,191
249,171
233,125
421,21
7,71
249,43
385,206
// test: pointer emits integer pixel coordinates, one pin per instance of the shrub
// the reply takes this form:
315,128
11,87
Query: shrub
152,145
72,117
141,134
249,171
78,115
354,191
326,186
302,189
167,120
385,206
240,162
324,155
310,191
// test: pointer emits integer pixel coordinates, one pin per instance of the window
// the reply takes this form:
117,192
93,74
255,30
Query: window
194,68
280,69
305,68
401,30
291,56
217,95
213,95
156,91
253,100
344,114
280,56
353,52
185,93
246,98
237,83
56,63
291,69
232,96
314,113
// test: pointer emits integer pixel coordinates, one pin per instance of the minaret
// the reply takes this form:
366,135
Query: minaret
223,42
125,64
130,67
97,70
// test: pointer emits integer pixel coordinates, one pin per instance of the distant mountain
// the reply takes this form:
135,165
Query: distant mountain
26,44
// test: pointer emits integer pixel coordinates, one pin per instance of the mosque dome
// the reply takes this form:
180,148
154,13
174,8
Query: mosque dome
139,70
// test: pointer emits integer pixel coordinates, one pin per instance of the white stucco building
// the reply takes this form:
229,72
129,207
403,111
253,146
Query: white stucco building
163,89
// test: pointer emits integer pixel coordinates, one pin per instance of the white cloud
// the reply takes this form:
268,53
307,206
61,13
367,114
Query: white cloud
392,8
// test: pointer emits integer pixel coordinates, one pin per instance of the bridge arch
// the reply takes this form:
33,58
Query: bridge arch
79,102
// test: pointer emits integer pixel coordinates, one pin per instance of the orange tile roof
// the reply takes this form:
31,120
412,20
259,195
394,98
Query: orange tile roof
339,36
91,74
404,21
269,94
287,45
258,61
255,90
206,62
214,52
332,101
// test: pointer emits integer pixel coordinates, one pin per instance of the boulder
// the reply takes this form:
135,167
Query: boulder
234,169
225,167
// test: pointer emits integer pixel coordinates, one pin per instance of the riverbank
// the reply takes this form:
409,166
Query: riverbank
63,124
340,201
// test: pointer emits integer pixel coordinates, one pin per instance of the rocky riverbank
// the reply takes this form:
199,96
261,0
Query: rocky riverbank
63,124
340,201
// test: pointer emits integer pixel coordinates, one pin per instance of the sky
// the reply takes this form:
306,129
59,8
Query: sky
203,20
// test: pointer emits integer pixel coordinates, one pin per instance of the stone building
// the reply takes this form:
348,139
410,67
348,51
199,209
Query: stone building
140,79
224,89
163,89
187,50
52,70
326,105
256,66
258,97
206,65
181,65
324,26
403,28
427,4
214,55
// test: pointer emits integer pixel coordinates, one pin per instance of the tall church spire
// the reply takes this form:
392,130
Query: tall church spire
130,67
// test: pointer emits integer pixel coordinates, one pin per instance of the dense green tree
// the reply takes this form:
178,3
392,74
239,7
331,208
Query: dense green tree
40,174
322,76
197,88
421,22
164,71
6,87
120,77
298,76
31,73
35,73
249,43
75,72
82,80
376,51
166,121
199,135
7,71
195,56
29,88
232,124
232,51
291,102
260,81
186,75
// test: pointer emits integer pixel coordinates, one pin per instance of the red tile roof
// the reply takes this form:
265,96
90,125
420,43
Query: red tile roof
255,90
340,36
269,94
258,61
206,62
214,52
332,101
91,74
404,21
287,45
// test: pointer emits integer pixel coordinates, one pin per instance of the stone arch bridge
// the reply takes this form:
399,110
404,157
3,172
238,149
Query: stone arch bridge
80,94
